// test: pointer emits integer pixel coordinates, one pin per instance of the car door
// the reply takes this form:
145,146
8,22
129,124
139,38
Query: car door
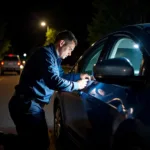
124,45
108,93
133,48
98,93
119,46
75,116
94,92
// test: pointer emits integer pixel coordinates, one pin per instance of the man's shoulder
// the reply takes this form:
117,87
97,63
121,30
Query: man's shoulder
48,49
47,52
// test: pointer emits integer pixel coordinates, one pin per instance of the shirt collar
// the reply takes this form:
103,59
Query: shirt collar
55,52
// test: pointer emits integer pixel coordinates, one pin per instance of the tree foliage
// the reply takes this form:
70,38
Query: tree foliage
5,43
5,46
110,15
50,36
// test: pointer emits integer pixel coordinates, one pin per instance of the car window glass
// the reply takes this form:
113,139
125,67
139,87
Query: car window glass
92,59
127,48
7,58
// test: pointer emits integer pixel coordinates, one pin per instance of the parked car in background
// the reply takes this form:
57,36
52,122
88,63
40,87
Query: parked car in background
10,63
113,111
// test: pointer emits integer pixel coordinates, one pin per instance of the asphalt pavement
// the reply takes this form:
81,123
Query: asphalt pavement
7,84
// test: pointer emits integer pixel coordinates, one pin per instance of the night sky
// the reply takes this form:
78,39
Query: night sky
24,19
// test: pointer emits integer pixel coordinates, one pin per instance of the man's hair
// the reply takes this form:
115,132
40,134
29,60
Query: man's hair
67,36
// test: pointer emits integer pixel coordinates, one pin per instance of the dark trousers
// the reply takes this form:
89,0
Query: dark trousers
31,126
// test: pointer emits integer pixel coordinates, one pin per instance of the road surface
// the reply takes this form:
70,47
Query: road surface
7,84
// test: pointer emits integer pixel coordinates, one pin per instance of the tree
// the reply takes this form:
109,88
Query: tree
5,43
103,21
5,47
50,36
110,15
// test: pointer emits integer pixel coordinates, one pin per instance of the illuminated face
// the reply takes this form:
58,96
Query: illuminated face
65,48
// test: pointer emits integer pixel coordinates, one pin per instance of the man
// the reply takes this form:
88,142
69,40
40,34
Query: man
42,75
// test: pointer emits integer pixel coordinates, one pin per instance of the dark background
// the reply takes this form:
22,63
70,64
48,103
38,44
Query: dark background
24,19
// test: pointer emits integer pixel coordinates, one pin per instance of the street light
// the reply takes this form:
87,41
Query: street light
43,23
24,54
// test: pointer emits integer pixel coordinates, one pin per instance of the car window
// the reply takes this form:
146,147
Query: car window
92,59
8,58
127,48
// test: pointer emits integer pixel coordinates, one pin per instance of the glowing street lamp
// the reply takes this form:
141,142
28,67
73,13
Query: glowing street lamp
24,54
43,23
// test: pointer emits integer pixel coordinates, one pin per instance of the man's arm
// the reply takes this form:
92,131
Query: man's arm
51,74
69,76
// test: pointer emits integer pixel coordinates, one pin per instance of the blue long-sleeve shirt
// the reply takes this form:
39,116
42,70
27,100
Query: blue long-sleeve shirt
43,74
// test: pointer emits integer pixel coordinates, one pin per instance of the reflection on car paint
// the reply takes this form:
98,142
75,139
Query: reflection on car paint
106,93
101,92
93,92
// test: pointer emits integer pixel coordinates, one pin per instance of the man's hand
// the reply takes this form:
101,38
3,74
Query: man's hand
82,83
85,76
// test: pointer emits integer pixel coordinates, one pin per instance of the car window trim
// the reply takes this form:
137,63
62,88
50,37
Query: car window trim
114,37
95,46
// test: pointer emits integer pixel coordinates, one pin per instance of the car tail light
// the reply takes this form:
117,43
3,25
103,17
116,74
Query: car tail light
10,55
18,63
2,63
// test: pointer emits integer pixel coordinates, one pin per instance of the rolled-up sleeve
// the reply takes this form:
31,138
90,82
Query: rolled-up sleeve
51,76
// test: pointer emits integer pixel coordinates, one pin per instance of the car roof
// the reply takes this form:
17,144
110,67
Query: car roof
11,56
127,28
142,25
141,31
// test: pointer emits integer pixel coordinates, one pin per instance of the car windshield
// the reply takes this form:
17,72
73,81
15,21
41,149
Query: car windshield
8,58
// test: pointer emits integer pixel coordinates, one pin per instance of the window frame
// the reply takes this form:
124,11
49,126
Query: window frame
77,68
113,40
91,55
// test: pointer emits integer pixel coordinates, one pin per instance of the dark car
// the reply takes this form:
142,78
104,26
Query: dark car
113,111
10,63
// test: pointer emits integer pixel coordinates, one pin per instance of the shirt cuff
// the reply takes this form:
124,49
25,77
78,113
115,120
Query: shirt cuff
76,86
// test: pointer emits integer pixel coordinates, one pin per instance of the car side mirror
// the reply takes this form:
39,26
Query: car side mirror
117,71
114,67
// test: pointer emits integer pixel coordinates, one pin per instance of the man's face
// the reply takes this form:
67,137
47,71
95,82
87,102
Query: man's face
65,48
